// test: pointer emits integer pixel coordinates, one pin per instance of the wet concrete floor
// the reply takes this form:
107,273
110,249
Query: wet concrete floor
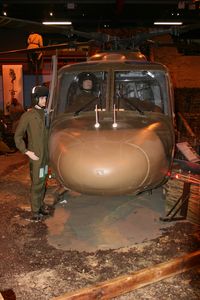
90,223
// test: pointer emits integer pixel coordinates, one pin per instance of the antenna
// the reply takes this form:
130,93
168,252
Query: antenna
114,125
97,125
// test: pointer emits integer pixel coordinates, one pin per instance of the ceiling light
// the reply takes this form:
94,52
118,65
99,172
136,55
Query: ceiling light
57,23
168,23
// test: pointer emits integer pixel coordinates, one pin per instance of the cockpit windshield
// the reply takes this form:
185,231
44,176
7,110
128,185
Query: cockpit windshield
82,91
135,90
140,90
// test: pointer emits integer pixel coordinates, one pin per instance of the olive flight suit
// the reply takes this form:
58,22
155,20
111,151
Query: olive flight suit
79,101
32,122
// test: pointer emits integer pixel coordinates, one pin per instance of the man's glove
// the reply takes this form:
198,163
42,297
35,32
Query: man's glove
32,155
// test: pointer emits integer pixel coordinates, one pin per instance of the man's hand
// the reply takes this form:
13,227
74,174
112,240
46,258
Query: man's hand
32,155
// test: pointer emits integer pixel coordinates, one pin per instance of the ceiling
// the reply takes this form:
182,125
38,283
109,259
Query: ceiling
94,14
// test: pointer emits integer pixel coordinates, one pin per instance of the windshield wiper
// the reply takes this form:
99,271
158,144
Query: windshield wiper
133,105
85,106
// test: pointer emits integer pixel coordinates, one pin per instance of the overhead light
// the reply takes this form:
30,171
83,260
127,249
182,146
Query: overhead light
168,23
57,23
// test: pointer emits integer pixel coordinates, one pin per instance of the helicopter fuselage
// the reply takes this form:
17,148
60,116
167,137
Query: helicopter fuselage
121,141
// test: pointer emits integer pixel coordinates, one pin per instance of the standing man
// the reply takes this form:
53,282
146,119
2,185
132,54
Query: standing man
32,122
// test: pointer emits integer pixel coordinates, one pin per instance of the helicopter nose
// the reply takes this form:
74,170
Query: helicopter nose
108,167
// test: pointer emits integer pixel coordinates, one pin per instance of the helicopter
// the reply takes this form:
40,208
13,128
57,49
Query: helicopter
120,141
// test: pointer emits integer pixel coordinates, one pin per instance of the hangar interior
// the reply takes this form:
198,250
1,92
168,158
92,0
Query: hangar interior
89,239
115,17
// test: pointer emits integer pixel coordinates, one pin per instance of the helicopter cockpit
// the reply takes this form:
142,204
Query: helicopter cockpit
106,143
71,92
133,90
140,90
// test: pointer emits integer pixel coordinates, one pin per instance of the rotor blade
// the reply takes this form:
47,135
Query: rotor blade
6,22
140,38
46,48
97,36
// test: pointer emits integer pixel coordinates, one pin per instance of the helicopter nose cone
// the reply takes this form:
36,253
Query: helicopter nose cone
104,168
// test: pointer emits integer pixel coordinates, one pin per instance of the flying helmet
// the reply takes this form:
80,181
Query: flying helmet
86,76
37,92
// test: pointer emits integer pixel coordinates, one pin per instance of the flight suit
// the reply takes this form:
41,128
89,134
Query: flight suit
79,101
34,40
32,122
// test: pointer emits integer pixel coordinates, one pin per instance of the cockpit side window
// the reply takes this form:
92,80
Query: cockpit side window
141,89
64,82
82,91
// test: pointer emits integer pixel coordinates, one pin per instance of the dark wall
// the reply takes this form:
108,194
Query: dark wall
187,100
11,39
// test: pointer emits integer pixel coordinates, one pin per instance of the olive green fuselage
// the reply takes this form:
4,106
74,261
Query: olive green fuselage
131,158
123,143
